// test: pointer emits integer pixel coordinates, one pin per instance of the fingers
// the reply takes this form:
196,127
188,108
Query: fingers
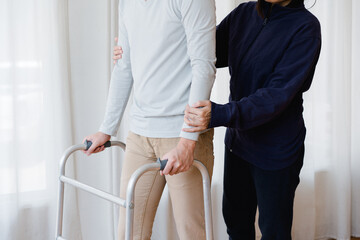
190,119
196,124
195,121
179,158
168,167
173,171
91,149
98,140
179,169
117,53
176,169
99,149
116,39
198,117
95,146
196,111
172,166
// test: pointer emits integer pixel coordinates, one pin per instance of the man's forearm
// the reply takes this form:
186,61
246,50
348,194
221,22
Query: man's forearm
187,143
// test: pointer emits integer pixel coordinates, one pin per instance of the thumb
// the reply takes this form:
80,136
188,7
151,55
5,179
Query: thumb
168,167
93,146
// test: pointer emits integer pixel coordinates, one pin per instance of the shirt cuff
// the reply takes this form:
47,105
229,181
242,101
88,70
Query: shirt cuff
107,131
192,136
220,116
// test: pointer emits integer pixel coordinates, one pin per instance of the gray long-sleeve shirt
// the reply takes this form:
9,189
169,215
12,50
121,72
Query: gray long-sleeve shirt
169,58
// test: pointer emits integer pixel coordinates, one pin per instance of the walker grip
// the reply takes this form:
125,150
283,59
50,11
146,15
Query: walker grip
162,163
89,143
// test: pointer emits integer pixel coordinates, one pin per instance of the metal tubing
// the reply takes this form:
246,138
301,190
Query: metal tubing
155,166
63,162
130,196
207,199
95,191
60,210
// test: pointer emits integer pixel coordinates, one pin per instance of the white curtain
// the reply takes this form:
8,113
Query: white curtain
328,199
35,123
327,203
55,66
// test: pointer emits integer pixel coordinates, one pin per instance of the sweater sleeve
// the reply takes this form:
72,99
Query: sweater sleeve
291,76
120,86
198,19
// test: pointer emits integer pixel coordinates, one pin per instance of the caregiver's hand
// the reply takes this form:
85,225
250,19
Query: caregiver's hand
198,116
117,52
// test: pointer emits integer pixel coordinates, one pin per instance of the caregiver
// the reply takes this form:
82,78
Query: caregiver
271,48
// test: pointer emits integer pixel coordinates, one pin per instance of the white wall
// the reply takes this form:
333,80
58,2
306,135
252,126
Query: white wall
90,65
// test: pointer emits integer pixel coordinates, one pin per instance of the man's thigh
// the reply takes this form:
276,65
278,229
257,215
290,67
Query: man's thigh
186,192
148,190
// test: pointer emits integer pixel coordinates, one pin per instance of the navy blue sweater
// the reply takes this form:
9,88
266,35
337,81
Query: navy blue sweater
271,62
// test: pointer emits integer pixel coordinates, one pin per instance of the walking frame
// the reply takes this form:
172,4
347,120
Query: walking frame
129,202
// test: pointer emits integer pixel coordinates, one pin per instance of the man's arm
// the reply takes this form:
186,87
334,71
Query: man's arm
199,21
119,92
120,86
198,18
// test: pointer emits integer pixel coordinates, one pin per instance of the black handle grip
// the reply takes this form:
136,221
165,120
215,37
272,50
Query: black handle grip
162,163
89,143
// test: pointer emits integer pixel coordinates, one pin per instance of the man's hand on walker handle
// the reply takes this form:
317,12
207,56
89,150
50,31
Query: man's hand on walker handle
179,158
198,116
117,51
98,140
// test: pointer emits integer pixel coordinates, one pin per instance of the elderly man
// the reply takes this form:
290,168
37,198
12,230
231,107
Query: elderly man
169,60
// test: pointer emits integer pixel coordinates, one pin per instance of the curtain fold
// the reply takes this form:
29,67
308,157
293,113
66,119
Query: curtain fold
355,120
331,160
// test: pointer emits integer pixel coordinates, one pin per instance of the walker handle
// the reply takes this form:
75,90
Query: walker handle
89,143
162,163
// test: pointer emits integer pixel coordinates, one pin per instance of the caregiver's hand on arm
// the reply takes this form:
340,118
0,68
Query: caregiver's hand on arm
117,51
198,116
98,140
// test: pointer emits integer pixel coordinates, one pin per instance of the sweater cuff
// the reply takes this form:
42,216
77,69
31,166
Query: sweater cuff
107,131
219,115
192,136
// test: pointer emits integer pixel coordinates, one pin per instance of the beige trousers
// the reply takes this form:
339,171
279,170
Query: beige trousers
185,188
